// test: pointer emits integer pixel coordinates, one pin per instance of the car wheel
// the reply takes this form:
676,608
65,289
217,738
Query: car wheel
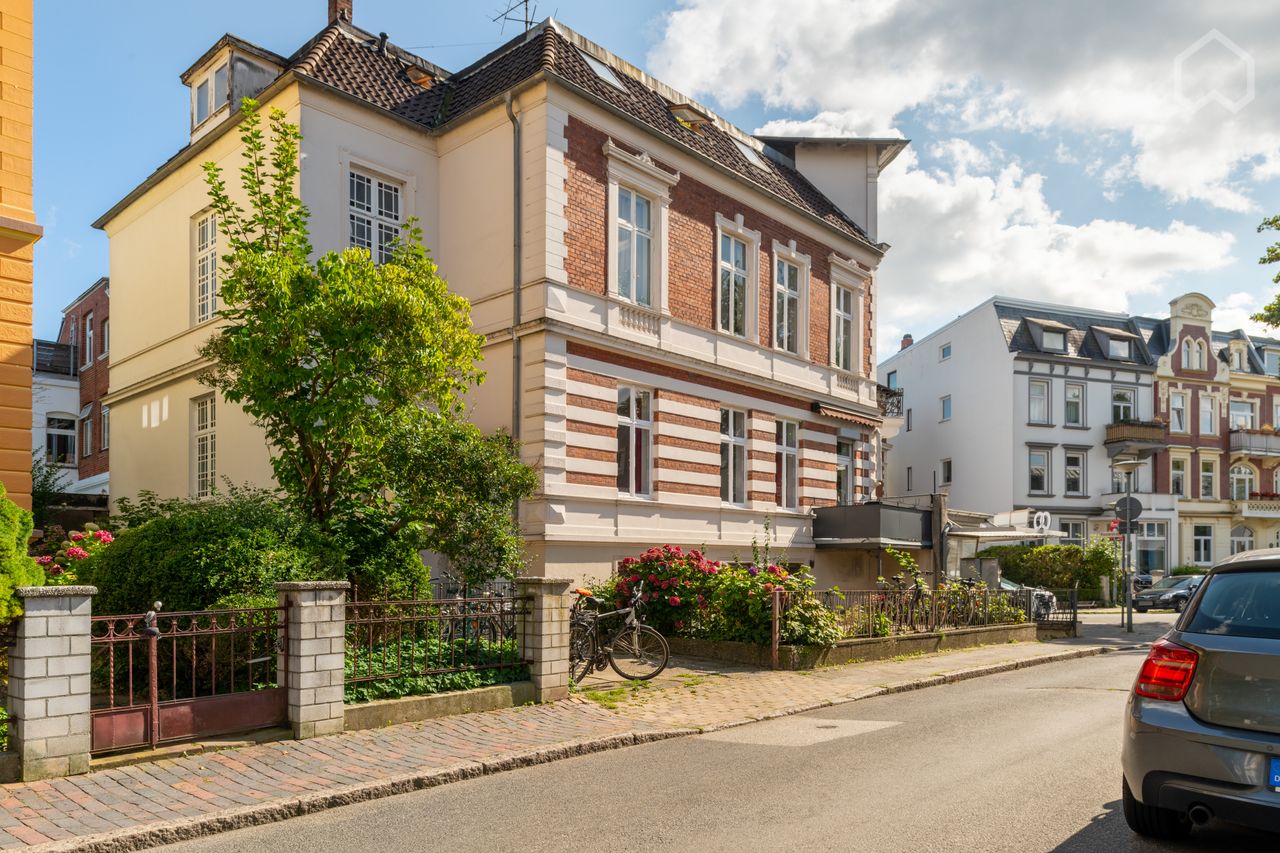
1179,605
1154,822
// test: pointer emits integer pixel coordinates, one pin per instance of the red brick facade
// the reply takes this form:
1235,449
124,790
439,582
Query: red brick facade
691,247
94,367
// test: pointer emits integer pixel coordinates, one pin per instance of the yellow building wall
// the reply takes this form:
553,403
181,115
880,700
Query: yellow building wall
18,233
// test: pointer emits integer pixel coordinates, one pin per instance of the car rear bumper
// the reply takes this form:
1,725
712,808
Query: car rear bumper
1173,761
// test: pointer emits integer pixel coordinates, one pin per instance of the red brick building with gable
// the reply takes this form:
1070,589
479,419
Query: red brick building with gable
86,327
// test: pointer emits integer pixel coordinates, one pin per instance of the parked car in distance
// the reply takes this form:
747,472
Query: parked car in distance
1169,593
1202,728
1142,581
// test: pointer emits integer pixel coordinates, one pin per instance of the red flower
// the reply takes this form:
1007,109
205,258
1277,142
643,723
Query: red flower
45,560
77,553
55,570
635,578
103,536
674,601
653,578
76,536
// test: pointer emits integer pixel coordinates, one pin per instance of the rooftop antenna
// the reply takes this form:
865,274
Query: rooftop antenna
518,11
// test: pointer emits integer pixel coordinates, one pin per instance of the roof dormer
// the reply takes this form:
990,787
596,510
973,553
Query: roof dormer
1049,335
228,72
1116,344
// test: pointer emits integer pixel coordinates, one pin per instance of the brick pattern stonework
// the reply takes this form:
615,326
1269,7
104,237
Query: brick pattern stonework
312,661
543,632
692,248
49,682
94,368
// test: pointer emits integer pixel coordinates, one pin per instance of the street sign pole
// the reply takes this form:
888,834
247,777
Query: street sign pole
1128,585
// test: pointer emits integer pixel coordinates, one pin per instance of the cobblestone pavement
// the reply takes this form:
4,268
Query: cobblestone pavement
169,800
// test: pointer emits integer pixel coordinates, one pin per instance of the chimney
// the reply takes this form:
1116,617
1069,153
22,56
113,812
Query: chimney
340,9
907,341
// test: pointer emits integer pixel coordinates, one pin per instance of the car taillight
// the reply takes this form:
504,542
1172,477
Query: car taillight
1167,672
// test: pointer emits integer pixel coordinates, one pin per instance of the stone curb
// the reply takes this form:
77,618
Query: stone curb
186,829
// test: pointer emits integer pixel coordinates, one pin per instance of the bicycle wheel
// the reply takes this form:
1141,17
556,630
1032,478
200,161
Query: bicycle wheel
639,653
582,653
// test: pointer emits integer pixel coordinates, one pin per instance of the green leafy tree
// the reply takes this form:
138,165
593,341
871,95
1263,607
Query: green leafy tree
16,567
356,370
1270,315
47,483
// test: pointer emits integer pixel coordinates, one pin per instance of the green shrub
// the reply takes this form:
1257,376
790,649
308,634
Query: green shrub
688,595
193,555
1187,569
1056,566
16,568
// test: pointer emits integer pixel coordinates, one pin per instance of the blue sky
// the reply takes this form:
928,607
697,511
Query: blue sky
1051,158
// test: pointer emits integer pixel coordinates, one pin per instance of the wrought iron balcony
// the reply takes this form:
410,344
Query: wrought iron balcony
1136,438
890,401
1255,442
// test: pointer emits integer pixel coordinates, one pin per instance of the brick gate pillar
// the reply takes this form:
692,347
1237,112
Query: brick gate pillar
543,633
49,682
314,653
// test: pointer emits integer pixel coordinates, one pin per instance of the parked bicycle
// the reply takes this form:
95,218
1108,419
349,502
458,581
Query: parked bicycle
634,650
959,606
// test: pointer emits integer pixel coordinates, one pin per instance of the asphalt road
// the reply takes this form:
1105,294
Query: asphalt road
1025,761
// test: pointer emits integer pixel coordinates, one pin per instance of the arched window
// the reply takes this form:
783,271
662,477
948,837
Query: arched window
1241,539
1275,486
1241,482
1186,354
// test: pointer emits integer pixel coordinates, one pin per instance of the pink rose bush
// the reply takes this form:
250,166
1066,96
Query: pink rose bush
689,595
79,545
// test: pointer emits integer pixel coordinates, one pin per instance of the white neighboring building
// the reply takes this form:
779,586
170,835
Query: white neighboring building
55,403
1019,404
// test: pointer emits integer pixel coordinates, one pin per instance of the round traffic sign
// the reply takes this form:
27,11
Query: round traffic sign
1128,508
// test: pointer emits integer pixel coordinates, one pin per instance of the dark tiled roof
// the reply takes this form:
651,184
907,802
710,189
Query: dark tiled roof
349,60
1081,341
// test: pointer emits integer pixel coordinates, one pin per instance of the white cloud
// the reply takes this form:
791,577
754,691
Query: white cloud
1094,67
959,237
1234,311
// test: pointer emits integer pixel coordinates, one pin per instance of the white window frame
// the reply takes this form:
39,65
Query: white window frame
1252,420
1208,406
1271,362
1069,526
787,463
946,411
86,437
104,440
640,175
1066,391
1202,542
634,424
383,228
1178,470
1047,452
88,339
891,380
204,267
944,352
1133,402
1179,401
106,337
1242,541
1062,336
72,433
733,454
945,472
736,230
204,445
1207,475
786,254
1083,464
1045,388
846,456
1126,354
209,97
1242,480
847,275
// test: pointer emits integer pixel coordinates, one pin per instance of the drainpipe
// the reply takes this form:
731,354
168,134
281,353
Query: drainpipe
516,248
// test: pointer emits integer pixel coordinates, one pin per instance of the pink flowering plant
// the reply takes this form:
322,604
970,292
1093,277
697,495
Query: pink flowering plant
61,555
686,594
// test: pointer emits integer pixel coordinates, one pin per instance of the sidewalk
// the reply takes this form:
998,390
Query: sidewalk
170,800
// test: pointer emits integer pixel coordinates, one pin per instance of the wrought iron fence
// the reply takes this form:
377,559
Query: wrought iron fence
170,676
886,613
420,638
1059,607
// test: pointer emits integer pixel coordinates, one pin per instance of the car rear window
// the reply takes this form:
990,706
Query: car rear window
1239,604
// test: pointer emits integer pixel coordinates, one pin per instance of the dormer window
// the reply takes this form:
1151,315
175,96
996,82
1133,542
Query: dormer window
1119,349
1273,362
753,156
1055,341
210,95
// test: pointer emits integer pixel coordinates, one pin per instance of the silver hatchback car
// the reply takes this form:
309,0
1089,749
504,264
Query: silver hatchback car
1202,731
